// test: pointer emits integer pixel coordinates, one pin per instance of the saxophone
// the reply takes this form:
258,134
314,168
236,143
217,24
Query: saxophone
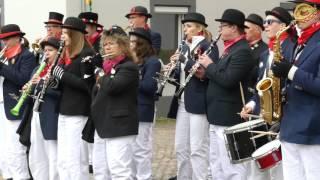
269,88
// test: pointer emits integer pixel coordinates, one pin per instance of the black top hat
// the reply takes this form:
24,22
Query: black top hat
114,29
90,18
10,30
194,17
282,14
141,32
75,24
255,19
139,10
233,16
52,41
54,18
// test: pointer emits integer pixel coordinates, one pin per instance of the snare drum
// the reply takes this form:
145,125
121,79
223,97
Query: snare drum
268,155
239,145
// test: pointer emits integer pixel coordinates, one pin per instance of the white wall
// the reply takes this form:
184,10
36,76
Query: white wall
113,11
30,14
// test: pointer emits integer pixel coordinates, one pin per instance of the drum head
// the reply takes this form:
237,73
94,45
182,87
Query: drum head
265,149
245,125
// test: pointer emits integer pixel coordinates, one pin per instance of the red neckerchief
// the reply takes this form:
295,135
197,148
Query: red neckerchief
307,33
93,38
282,38
229,43
110,63
65,60
45,70
146,27
12,51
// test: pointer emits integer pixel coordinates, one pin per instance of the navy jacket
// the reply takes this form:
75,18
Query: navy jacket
16,74
223,92
156,40
300,122
195,90
147,88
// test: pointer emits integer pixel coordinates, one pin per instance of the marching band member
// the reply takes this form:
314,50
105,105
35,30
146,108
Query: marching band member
43,148
149,66
15,67
114,109
93,28
223,92
276,19
138,17
76,80
191,138
254,31
299,129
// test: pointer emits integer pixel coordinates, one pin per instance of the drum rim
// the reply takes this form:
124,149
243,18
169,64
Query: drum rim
229,131
266,153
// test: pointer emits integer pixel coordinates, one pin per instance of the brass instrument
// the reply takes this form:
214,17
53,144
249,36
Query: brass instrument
165,76
196,66
269,88
304,12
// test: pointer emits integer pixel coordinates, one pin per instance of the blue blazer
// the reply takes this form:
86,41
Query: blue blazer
286,47
195,90
147,88
300,123
156,40
16,74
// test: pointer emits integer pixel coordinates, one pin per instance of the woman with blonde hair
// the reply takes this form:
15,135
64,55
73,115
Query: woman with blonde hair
75,76
189,108
114,108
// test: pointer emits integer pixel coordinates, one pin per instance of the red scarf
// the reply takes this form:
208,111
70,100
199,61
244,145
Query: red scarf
45,70
307,33
282,38
12,51
93,38
65,60
229,43
110,63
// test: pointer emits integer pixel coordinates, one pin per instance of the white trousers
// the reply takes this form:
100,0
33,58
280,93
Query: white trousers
192,145
4,171
112,158
16,153
142,152
254,173
72,150
220,164
300,162
42,153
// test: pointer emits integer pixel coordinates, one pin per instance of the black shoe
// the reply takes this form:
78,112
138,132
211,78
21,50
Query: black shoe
173,178
90,169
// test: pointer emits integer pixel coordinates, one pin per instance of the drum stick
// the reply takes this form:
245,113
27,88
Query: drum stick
257,136
265,132
242,94
251,115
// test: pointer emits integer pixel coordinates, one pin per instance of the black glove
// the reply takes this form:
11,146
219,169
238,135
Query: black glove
97,60
275,127
58,72
281,69
86,67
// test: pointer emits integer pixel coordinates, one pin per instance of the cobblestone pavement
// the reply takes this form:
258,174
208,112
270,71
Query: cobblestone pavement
164,161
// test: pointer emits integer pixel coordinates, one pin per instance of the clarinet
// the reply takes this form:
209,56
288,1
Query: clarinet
196,66
166,75
47,79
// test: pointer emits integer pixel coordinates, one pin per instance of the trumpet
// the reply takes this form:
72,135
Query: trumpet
2,54
164,77
196,66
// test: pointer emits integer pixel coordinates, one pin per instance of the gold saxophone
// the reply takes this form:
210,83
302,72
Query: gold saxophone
269,88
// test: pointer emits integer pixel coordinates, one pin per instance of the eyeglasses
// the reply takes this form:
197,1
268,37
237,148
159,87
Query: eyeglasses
51,26
270,21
